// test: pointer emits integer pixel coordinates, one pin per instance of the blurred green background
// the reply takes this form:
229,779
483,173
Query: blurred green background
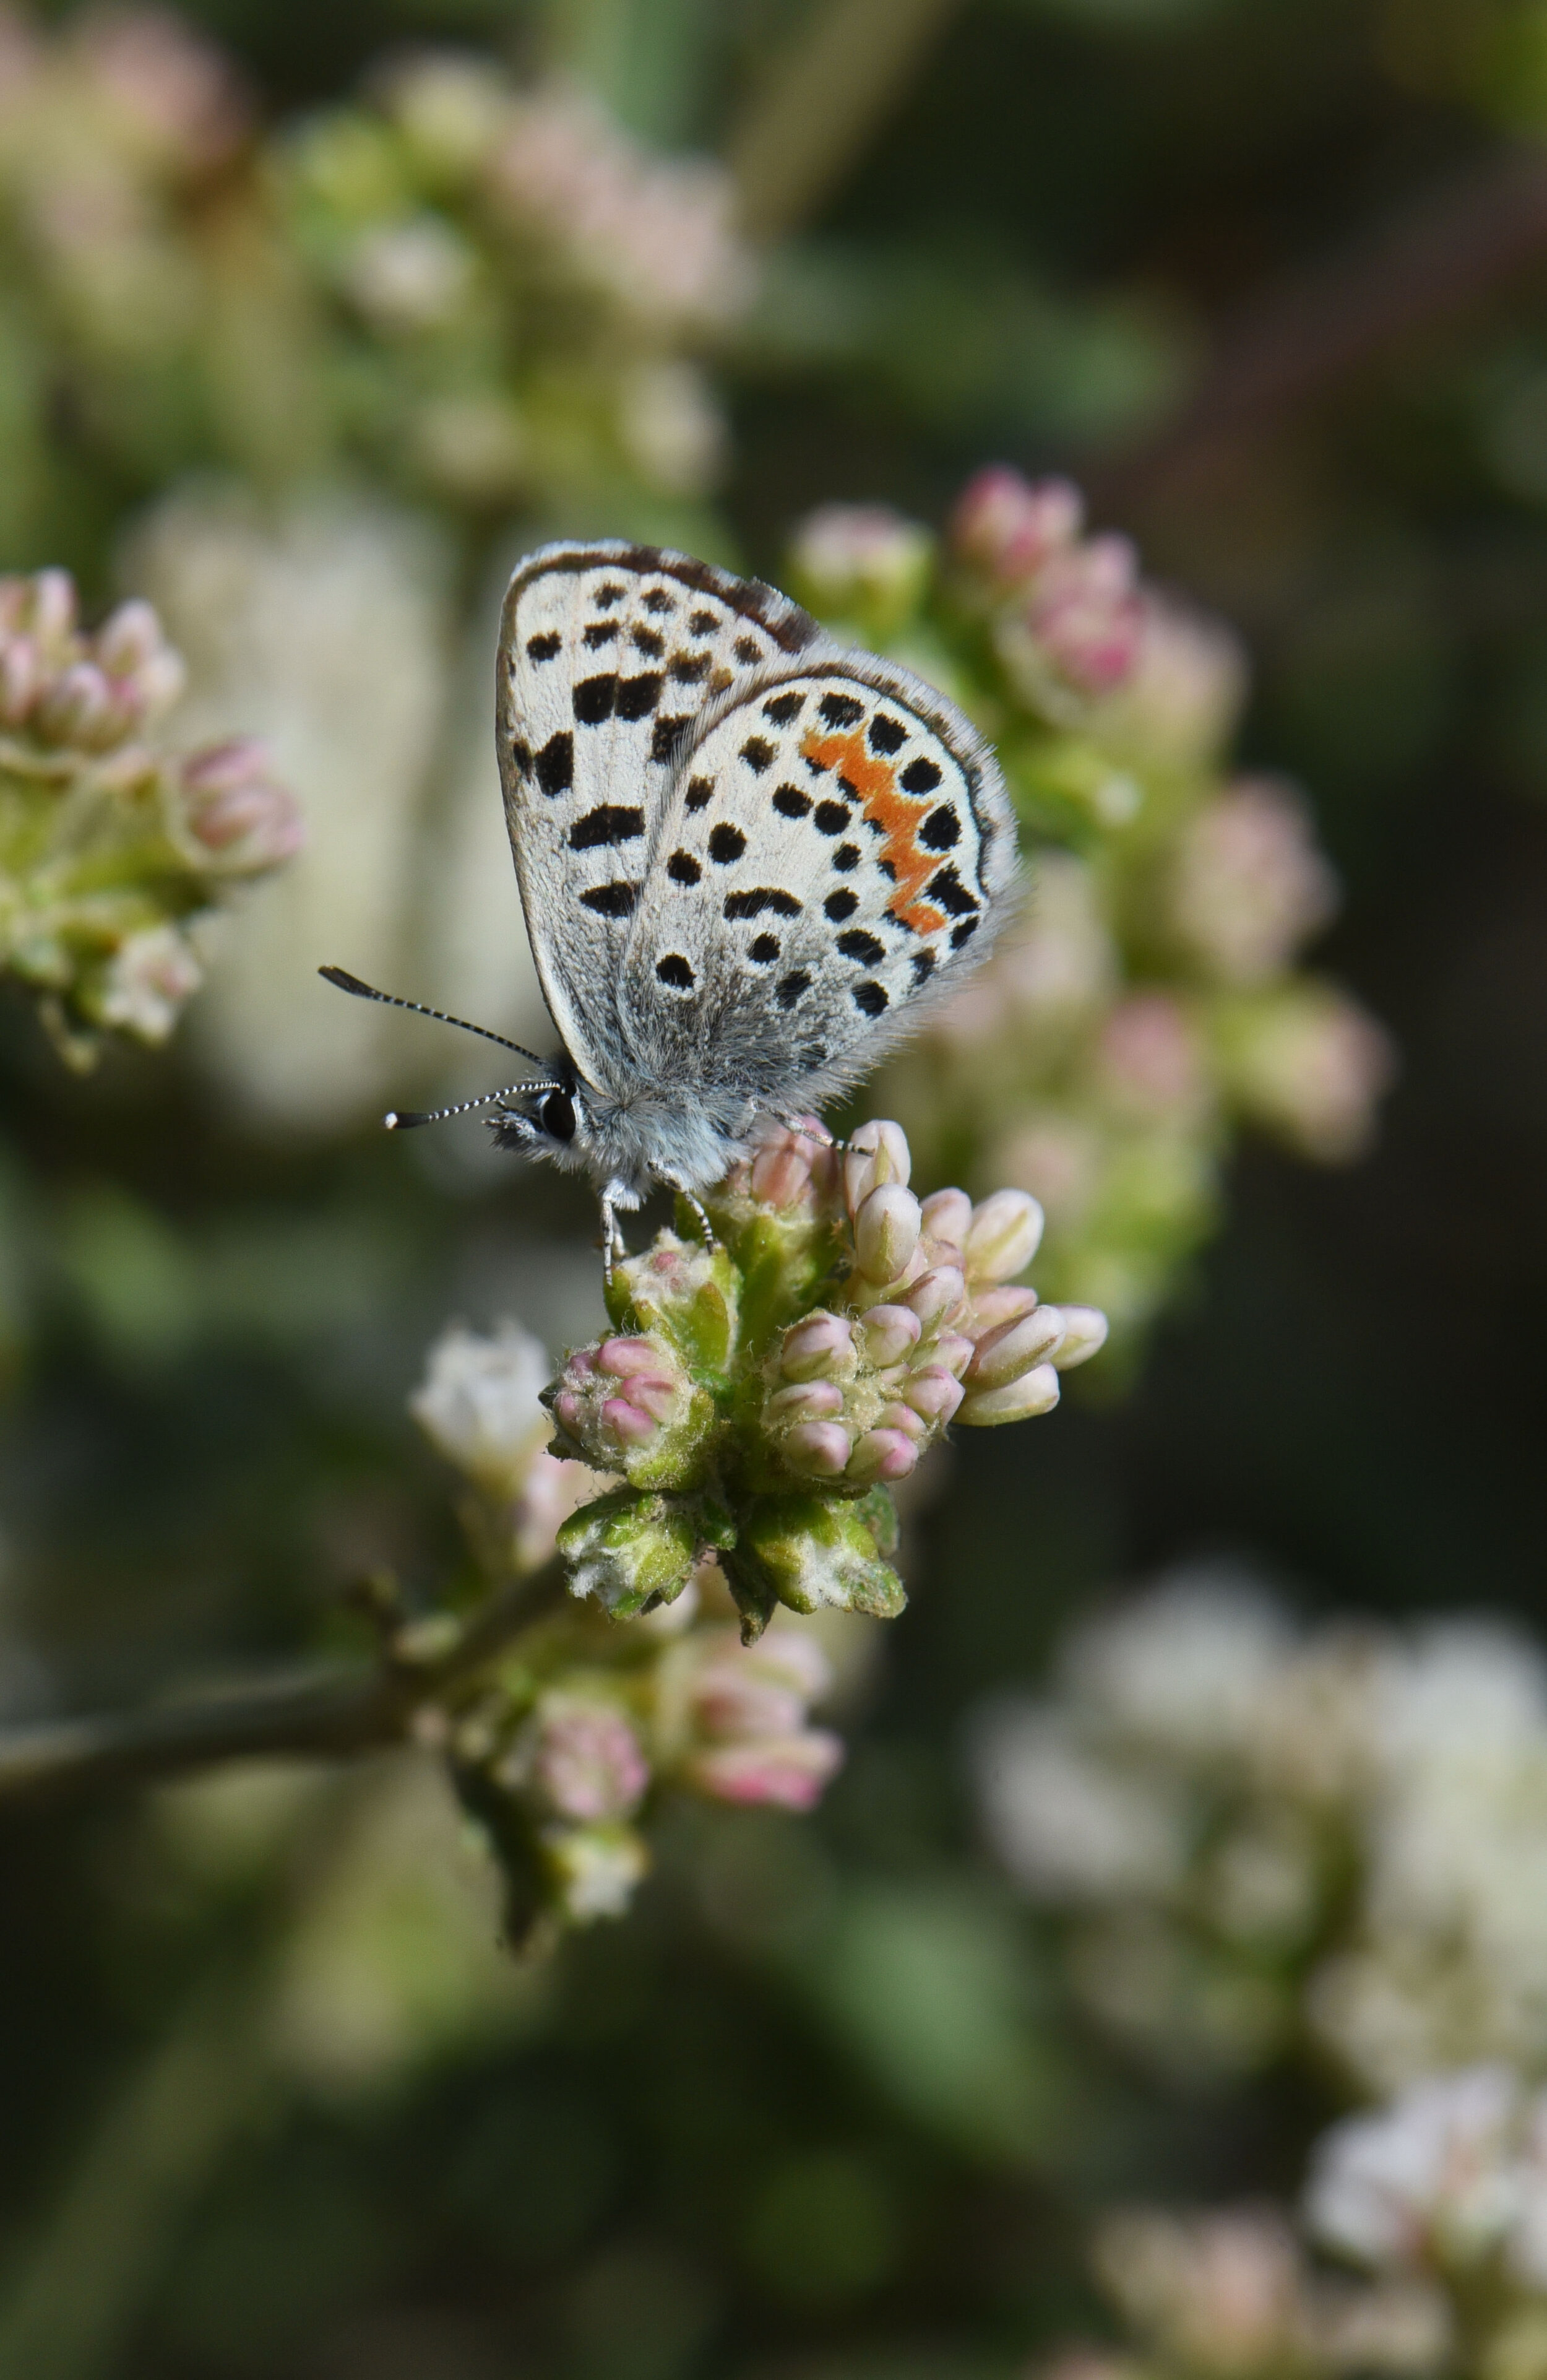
1269,279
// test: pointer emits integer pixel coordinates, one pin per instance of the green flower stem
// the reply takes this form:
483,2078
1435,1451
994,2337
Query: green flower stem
337,1717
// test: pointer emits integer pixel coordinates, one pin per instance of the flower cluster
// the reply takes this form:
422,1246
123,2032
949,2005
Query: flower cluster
113,851
1150,1002
829,1276
1254,1838
760,1395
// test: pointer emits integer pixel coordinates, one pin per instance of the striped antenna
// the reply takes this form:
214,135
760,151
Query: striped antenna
347,982
405,1118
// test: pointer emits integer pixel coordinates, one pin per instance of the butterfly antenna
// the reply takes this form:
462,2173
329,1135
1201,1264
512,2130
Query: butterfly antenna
406,1119
351,983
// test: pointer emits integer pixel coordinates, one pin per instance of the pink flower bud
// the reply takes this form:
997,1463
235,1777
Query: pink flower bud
882,1454
819,1446
628,1421
567,1411
128,639
623,1357
1035,1391
992,1307
822,1347
904,1419
78,708
53,606
936,1295
932,1392
1085,1335
781,1169
22,674
886,1232
235,808
946,1214
1015,1347
788,1772
1003,1235
888,1331
658,1396
953,1352
1086,612
807,1400
584,1761
877,1153
1007,527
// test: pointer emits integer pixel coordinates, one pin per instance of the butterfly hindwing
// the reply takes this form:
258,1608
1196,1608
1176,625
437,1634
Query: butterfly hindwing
609,654
833,856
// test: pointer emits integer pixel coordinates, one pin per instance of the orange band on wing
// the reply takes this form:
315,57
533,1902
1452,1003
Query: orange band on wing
874,787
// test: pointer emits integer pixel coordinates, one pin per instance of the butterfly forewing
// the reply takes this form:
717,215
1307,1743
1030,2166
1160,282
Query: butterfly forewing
835,848
609,654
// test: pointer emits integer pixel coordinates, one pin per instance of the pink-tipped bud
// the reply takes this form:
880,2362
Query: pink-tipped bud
1034,1392
1003,1235
781,1169
886,1232
628,1421
53,606
953,1350
806,1401
878,1153
22,674
886,1333
932,1392
946,1214
128,639
78,706
822,1347
788,1772
567,1409
623,1357
882,1454
659,1397
992,1307
158,682
1005,527
1014,1348
936,1295
903,1417
1085,1335
819,1446
256,824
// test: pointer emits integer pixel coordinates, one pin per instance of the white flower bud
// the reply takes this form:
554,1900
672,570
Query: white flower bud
882,1454
888,1333
946,1214
1003,1355
936,1294
879,1152
1003,1235
819,1446
822,1347
1035,1391
1085,1335
886,1232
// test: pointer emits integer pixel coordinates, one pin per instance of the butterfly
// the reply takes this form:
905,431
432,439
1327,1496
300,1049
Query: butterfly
750,860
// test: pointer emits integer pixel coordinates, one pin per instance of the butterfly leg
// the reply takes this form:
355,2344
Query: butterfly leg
612,1242
688,1200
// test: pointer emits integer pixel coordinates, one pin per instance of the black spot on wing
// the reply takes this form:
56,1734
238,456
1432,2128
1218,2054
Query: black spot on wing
594,697
846,858
841,710
609,823
600,632
657,600
945,887
963,934
923,964
544,648
605,597
666,735
521,755
683,868
764,949
791,987
611,900
747,650
841,904
920,776
871,998
831,818
555,764
700,793
753,903
782,708
637,696
688,668
758,753
726,843
884,734
858,944
941,830
790,803
703,623
674,970
649,641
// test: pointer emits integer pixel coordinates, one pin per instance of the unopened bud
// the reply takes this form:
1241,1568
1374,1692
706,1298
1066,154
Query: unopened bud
953,1350
946,1214
886,1232
882,1454
1085,1335
1014,1348
628,1421
936,1295
582,1760
1003,1235
822,1347
1034,1392
1006,526
903,1417
932,1392
888,1331
878,1152
787,1772
821,1447
992,1307
624,1357
128,639
20,676
53,606
78,708
806,1400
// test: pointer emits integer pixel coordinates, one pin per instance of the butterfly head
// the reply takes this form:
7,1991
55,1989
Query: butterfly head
548,1121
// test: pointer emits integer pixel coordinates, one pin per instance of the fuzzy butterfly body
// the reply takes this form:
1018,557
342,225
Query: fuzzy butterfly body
749,859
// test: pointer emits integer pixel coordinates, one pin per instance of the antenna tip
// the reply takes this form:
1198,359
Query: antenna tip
401,1120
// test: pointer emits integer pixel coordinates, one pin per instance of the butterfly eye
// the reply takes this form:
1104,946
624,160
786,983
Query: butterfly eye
557,1116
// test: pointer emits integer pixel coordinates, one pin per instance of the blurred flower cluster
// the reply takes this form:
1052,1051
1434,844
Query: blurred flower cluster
114,853
753,1402
1150,1000
1257,1840
485,293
